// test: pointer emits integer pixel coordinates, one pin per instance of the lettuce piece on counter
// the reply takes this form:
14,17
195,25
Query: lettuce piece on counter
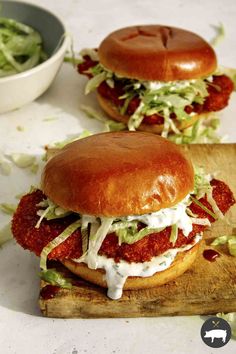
229,240
5,234
203,131
5,165
110,125
8,208
54,277
23,160
231,319
61,144
219,34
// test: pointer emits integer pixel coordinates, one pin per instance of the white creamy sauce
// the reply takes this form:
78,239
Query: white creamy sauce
167,217
156,85
117,273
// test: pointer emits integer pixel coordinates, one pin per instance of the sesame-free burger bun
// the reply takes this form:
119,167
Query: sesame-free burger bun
118,174
157,53
113,112
182,262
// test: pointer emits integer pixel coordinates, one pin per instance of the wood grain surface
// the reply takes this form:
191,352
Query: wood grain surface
206,288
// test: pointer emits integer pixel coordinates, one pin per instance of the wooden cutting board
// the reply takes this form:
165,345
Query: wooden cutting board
206,288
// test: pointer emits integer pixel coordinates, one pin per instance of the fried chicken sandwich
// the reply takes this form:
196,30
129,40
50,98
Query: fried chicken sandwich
123,210
155,78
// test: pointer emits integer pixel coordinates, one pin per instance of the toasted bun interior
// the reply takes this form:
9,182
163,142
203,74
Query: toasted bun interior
114,113
182,262
118,174
155,52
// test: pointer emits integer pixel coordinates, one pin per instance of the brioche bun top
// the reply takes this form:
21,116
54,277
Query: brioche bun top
157,53
118,174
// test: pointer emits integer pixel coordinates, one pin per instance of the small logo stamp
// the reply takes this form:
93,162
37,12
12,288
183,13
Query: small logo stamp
215,332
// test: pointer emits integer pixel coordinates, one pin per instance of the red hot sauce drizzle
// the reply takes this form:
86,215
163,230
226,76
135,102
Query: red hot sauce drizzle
211,255
49,292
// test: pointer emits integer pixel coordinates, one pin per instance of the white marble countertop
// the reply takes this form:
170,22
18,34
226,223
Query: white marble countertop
22,328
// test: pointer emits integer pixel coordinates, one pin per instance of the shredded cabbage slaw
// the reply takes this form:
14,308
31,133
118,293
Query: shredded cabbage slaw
21,47
156,97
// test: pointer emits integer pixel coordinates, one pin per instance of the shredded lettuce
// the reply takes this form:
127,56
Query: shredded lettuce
156,97
110,125
56,242
85,238
129,232
34,168
21,47
5,234
232,246
201,221
219,34
61,144
23,160
202,183
174,234
93,83
96,240
5,166
229,240
8,208
203,131
51,211
202,187
203,207
52,276
231,319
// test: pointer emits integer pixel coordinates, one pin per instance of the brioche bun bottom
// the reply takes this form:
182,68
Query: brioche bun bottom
182,262
114,113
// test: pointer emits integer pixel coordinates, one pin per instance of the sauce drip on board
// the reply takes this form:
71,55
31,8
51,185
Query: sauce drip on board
49,292
211,255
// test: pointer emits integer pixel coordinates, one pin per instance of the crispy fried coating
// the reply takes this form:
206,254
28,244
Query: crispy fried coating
25,219
24,231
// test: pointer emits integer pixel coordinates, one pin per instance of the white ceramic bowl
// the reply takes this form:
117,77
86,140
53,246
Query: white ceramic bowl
17,90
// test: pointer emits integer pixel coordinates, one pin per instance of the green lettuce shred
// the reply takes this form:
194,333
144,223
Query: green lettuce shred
5,165
56,242
219,34
110,125
5,234
203,207
229,240
231,319
162,98
203,131
202,183
23,160
8,208
174,234
130,234
60,144
21,47
52,276
51,211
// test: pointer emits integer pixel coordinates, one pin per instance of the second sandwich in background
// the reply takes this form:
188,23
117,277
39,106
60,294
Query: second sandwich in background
156,78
